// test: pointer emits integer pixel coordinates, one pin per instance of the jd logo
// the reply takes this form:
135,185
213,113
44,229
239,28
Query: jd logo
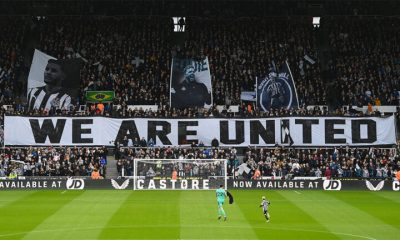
372,188
396,186
75,184
334,185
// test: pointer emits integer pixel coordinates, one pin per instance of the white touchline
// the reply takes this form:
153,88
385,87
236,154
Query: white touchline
188,226
297,192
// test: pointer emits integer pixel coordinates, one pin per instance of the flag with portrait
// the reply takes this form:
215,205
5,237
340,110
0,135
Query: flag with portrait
277,90
53,83
190,84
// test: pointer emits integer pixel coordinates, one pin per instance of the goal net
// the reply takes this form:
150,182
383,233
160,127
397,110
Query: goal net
179,174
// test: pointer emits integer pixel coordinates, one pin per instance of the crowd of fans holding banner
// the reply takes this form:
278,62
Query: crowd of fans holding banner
133,58
138,70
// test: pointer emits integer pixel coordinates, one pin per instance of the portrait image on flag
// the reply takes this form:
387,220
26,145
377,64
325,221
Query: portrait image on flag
190,83
53,83
277,90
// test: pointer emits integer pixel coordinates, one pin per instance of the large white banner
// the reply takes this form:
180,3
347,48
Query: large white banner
303,131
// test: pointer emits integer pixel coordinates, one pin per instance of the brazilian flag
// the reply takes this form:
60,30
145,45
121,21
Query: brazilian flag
100,96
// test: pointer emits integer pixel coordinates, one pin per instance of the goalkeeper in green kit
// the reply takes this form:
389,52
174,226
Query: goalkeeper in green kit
221,194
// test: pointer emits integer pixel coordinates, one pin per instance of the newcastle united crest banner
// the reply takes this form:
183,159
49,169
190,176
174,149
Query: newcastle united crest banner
297,131
277,90
190,83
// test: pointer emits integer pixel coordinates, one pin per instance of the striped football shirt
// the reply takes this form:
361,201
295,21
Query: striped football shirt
38,98
264,205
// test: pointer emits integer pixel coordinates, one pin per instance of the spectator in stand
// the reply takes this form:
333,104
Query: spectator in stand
95,174
100,108
257,174
150,143
328,173
143,142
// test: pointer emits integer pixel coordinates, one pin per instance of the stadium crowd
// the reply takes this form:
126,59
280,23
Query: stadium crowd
125,156
342,162
132,56
49,161
366,60
135,59
278,162
11,58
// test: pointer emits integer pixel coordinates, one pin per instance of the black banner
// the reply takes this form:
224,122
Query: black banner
327,185
197,184
181,184
32,184
275,184
68,184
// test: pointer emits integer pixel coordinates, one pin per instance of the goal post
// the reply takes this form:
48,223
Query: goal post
179,174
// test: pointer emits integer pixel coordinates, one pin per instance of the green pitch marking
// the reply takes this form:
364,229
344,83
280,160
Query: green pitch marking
82,218
22,216
195,206
146,215
10,197
193,215
378,208
287,219
342,219
389,195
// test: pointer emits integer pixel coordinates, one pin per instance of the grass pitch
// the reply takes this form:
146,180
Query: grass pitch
193,215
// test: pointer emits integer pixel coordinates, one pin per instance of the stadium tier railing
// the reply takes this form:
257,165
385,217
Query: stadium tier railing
382,109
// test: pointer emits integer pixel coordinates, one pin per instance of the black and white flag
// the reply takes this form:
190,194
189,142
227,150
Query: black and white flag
286,137
2,74
248,96
277,90
53,83
190,83
309,59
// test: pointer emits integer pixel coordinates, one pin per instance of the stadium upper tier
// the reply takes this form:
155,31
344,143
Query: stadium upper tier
132,56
